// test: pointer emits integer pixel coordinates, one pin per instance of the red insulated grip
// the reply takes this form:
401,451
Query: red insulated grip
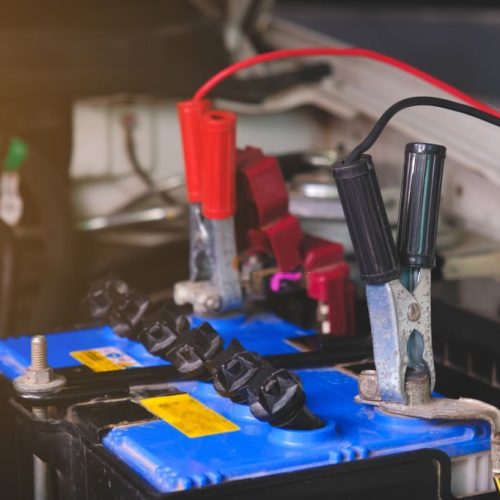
190,114
219,164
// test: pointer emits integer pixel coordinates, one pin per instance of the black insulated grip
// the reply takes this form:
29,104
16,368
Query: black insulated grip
419,205
366,219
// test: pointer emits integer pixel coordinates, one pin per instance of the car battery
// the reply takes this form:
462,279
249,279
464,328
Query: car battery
180,439
195,438
100,349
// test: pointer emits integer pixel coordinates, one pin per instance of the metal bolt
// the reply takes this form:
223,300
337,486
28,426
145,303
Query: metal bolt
414,311
368,386
39,353
39,377
417,388
41,470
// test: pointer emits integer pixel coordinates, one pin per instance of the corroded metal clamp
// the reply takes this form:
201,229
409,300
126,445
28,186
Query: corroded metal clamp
401,330
398,297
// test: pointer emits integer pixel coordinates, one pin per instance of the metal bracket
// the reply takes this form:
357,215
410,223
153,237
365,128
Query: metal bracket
222,257
455,409
395,314
199,268
422,405
214,284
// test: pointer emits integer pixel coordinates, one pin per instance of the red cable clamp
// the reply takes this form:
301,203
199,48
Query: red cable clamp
190,115
219,167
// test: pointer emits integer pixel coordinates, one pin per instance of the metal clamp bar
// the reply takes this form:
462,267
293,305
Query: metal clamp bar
395,316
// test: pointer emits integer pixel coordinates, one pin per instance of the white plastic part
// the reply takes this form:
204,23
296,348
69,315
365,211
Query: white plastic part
471,474
11,203
103,178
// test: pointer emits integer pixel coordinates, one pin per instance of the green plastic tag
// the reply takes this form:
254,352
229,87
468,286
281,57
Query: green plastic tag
17,152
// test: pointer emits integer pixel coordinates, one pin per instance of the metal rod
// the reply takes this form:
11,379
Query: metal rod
41,471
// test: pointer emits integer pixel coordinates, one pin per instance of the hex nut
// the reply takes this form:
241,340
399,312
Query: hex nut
43,380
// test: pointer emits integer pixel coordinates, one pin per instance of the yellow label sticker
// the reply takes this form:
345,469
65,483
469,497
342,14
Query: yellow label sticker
497,483
188,415
105,359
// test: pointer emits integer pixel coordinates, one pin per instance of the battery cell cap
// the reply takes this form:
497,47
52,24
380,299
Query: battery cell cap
190,114
219,164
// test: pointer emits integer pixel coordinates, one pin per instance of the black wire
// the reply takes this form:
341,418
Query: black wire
138,169
410,102
257,89
7,276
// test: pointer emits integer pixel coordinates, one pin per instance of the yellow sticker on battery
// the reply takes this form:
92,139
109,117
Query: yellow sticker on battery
105,359
188,415
497,483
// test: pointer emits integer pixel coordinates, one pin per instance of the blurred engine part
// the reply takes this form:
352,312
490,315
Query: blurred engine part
43,241
314,199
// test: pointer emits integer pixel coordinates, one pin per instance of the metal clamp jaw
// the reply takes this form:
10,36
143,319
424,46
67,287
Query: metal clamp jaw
214,284
401,331
420,404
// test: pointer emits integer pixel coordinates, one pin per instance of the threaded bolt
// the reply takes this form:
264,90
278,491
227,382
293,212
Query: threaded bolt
39,376
39,353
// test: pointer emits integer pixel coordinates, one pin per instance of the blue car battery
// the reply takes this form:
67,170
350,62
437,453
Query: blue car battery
201,439
101,349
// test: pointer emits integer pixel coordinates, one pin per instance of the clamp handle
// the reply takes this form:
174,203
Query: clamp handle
367,221
219,164
190,114
419,205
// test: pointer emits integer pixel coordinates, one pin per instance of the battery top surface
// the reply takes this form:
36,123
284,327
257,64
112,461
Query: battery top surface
262,333
178,452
